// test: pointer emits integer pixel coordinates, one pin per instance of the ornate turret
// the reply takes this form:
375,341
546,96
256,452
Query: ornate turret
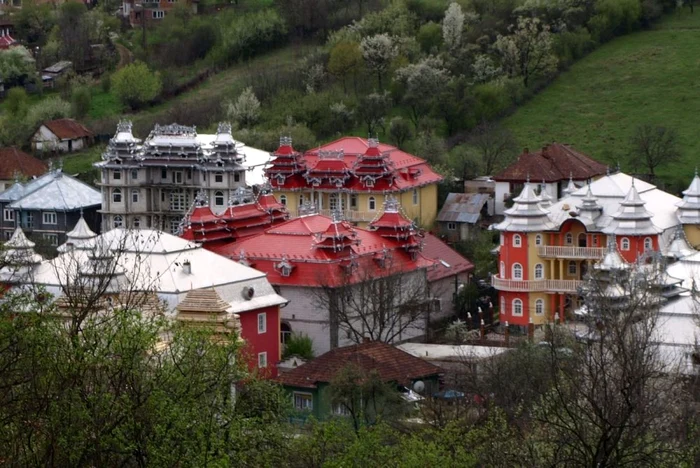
689,209
570,187
205,308
374,166
80,238
392,224
679,248
17,256
590,209
632,219
526,214
338,236
329,170
612,261
225,147
547,200
288,164
122,145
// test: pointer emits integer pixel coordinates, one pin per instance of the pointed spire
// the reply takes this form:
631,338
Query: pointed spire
80,237
19,251
632,218
547,200
590,207
612,260
679,247
689,209
570,187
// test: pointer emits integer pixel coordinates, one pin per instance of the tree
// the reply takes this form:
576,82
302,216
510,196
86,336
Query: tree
17,103
74,33
653,146
372,110
399,130
345,59
35,21
378,51
299,345
80,101
246,110
376,305
17,67
135,85
494,144
422,80
527,51
452,26
429,37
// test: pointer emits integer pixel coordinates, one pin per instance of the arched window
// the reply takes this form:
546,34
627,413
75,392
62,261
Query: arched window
372,204
503,270
572,267
538,239
517,307
283,199
647,243
135,195
539,271
219,198
582,240
569,238
624,244
503,305
502,242
517,271
118,221
517,240
117,195
539,307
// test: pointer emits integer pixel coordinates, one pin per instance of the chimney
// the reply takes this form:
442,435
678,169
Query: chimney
187,267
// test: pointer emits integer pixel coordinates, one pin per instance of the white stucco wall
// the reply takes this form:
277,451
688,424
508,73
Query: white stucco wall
45,140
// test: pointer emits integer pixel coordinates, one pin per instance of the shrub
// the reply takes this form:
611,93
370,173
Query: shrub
572,45
135,85
246,110
429,37
80,101
614,18
491,100
300,345
17,102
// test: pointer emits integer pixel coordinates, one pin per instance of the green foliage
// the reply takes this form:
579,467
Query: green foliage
614,17
17,103
478,249
573,45
35,20
80,101
243,36
17,67
430,37
345,59
395,20
135,85
245,111
300,345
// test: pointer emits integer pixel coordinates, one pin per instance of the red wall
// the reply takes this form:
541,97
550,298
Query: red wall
510,255
508,316
636,246
262,342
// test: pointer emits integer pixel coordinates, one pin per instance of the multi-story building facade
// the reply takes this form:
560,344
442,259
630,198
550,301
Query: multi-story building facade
148,12
354,175
153,184
546,249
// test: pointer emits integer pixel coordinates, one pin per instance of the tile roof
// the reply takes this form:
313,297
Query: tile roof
392,365
553,163
353,163
463,207
435,249
67,129
15,162
52,191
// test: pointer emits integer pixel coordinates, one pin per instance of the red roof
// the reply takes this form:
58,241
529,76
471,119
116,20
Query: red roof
553,163
236,222
318,252
67,129
7,41
436,249
390,363
355,163
15,162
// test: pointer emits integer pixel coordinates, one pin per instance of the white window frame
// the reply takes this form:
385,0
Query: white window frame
517,308
8,214
372,204
117,174
135,193
117,196
503,305
451,226
517,271
51,238
219,195
539,271
178,177
624,244
178,201
305,398
415,198
158,14
118,221
539,307
49,217
262,360
136,222
569,238
283,199
262,323
503,270
572,267
134,174
219,177
517,240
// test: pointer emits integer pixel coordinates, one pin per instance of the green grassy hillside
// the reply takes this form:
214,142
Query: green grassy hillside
648,77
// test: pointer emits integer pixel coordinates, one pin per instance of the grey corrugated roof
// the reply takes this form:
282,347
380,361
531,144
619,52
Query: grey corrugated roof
463,207
20,189
57,191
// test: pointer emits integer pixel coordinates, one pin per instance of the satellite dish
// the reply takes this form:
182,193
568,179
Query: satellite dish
418,386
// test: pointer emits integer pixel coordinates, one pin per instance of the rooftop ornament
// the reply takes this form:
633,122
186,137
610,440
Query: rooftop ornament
307,208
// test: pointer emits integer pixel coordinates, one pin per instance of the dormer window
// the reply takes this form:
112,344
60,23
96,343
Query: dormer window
284,267
280,179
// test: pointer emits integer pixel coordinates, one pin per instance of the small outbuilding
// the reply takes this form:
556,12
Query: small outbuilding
61,136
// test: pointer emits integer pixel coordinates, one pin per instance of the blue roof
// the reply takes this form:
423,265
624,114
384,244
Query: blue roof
52,191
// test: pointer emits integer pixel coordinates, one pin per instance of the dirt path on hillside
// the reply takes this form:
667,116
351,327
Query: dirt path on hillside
125,56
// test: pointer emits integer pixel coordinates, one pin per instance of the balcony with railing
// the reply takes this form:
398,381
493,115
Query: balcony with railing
566,251
544,285
353,215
